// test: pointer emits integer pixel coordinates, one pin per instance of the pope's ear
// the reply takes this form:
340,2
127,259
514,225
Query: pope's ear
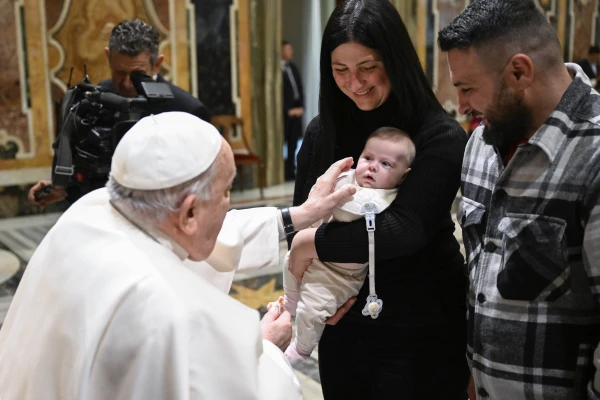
186,217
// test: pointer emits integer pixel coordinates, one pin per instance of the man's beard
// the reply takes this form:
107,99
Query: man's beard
509,120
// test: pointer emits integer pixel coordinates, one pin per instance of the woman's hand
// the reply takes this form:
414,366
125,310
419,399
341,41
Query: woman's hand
322,199
302,252
335,318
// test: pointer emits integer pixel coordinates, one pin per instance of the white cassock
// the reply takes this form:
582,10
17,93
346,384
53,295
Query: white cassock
245,244
106,310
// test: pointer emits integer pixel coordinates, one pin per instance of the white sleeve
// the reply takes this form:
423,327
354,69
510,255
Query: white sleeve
143,352
260,229
248,241
276,378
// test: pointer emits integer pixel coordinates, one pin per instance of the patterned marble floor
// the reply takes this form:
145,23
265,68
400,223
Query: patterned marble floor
19,238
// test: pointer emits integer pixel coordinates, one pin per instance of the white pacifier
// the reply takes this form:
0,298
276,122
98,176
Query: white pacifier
373,307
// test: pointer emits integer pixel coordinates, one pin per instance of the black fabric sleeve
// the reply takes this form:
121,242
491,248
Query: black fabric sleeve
416,214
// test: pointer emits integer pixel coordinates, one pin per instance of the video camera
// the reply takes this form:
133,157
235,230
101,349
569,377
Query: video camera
91,121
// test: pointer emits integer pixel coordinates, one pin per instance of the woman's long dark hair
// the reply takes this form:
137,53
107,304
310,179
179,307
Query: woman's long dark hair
375,24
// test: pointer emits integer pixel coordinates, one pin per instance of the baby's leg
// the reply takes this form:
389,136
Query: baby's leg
294,355
325,288
291,289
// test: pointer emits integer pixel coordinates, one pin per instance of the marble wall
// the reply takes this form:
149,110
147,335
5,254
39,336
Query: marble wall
442,13
14,128
583,15
42,42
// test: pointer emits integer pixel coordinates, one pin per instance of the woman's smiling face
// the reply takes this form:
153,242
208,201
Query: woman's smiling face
360,74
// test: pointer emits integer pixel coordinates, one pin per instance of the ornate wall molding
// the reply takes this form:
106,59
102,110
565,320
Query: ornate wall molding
164,45
10,146
23,151
81,33
24,91
233,52
44,39
582,30
443,12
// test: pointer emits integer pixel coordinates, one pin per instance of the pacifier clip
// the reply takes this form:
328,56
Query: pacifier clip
374,305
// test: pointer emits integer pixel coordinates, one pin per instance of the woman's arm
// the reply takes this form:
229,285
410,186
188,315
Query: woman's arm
416,214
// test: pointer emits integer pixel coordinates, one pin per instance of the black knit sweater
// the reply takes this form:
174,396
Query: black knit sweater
419,268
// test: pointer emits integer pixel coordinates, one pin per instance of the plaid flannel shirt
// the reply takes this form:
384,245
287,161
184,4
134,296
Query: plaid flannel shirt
532,236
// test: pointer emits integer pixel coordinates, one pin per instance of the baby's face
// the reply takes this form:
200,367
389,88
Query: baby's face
382,164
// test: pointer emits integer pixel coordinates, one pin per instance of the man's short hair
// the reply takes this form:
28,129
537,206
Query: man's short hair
595,49
133,37
499,29
154,206
396,135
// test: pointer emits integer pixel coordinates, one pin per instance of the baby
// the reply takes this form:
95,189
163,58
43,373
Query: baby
382,167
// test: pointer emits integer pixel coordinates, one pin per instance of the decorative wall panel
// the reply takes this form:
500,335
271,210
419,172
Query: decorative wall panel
213,53
44,40
583,34
16,131
80,35
444,11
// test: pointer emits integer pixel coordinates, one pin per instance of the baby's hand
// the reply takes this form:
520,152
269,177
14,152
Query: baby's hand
276,326
279,303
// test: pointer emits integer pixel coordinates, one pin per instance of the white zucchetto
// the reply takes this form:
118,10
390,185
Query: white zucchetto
165,150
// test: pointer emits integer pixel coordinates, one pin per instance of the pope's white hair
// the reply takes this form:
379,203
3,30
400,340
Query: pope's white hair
154,206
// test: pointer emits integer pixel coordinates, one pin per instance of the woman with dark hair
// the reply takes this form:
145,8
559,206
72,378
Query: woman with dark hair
371,77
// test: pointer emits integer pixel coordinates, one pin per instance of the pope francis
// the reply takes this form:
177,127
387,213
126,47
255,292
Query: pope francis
116,302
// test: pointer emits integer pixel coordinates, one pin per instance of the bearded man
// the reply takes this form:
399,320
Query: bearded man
530,211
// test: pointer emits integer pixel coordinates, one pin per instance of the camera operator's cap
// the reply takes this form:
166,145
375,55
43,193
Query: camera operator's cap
165,150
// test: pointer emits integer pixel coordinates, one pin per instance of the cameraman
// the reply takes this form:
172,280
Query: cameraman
132,47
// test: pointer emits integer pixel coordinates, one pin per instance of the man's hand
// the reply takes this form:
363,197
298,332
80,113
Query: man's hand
302,252
55,194
295,112
322,199
276,327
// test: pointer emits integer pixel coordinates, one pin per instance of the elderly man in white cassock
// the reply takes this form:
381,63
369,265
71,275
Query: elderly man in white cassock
107,307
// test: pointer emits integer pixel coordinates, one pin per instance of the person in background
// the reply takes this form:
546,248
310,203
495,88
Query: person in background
133,46
530,208
372,77
591,64
293,107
